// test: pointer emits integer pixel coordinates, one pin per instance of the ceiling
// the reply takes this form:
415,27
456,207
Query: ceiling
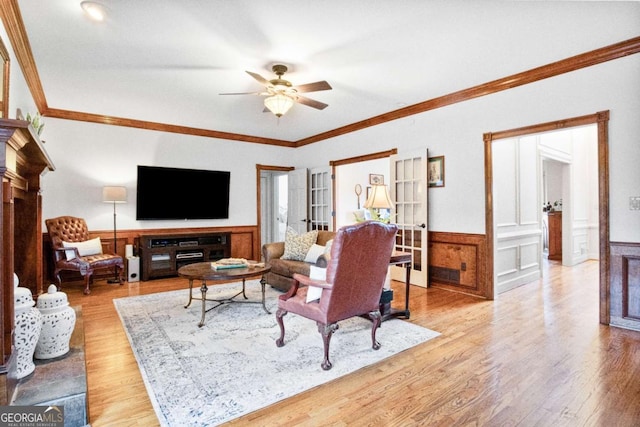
167,61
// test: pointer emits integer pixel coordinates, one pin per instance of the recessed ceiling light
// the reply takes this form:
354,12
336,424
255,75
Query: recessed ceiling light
94,10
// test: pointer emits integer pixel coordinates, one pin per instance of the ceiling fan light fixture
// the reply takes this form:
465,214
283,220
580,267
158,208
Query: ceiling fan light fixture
94,10
278,104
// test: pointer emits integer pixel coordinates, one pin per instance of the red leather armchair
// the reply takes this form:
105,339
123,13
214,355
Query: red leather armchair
66,230
355,276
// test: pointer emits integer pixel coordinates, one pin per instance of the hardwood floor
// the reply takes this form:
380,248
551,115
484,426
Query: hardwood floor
536,356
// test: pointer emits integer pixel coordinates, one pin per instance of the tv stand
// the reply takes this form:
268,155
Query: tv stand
163,254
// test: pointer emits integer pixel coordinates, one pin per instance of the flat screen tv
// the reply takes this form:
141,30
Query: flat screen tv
173,193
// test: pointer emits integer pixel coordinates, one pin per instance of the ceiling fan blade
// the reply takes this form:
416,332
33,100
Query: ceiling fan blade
311,102
313,87
259,78
242,93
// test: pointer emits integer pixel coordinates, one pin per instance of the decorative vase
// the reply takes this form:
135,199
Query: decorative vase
27,331
58,321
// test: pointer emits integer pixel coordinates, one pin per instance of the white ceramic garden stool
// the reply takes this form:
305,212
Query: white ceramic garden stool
27,331
58,321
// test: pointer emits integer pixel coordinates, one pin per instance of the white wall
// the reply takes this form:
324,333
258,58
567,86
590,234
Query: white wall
89,156
553,175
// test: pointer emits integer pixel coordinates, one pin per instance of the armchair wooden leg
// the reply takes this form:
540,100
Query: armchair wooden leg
58,279
87,280
376,317
279,314
327,332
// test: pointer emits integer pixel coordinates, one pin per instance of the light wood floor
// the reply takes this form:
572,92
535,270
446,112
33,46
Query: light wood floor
536,356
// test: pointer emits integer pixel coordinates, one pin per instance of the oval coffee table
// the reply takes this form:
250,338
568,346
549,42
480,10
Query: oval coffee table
204,272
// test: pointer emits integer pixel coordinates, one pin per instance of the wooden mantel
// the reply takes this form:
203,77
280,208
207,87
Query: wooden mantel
23,160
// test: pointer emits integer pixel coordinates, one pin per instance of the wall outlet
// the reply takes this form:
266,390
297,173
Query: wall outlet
634,203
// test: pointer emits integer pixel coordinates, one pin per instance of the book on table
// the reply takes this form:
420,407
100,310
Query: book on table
228,263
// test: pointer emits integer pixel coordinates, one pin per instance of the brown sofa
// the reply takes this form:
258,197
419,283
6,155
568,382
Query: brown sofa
281,274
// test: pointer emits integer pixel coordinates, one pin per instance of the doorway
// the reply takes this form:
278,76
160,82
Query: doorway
601,176
538,178
272,202
555,175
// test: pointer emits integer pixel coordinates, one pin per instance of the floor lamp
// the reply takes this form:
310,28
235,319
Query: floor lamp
114,195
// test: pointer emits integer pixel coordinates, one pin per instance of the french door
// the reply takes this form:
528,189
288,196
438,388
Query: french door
320,193
409,191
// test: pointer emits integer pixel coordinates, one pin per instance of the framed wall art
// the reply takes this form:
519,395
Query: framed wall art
435,171
376,179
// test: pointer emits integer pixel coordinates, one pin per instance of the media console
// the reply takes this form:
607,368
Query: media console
163,254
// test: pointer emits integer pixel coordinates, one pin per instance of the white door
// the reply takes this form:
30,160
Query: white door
409,192
320,194
297,202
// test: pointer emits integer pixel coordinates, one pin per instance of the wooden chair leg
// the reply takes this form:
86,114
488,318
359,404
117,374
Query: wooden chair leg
327,332
87,280
377,319
58,278
279,314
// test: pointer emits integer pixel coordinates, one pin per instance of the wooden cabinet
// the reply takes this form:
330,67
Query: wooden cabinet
554,221
163,254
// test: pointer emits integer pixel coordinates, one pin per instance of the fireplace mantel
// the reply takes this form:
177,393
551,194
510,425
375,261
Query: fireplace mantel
23,161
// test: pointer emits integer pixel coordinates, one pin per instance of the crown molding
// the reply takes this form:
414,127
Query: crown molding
12,20
161,127
588,59
13,24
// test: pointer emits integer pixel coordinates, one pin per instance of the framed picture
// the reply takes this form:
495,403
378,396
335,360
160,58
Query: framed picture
376,179
435,171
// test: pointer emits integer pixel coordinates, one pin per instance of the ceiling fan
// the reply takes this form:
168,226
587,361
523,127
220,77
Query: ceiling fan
281,93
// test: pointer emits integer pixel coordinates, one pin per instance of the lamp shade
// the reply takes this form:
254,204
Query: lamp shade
114,194
378,198
278,104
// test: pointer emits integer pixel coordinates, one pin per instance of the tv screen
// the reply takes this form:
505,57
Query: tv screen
174,193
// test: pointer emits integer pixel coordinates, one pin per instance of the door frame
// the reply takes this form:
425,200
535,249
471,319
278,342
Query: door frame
601,119
335,163
259,169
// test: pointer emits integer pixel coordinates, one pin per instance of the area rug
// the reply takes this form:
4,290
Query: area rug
232,366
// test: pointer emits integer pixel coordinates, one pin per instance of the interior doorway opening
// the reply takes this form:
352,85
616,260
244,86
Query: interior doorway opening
546,203
600,177
274,206
272,202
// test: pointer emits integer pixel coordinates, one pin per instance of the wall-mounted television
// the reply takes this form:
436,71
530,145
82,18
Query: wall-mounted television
173,193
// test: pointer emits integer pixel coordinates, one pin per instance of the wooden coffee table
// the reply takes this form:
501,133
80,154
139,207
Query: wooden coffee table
202,271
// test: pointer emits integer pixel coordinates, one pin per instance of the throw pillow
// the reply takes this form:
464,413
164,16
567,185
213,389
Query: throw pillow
297,245
314,253
327,248
313,292
88,247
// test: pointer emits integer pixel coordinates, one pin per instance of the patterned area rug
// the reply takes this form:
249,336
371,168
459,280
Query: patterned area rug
232,366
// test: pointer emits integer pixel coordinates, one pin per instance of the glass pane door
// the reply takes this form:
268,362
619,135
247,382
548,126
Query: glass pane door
320,199
408,189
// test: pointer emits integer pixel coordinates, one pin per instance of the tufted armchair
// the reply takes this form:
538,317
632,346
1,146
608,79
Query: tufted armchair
355,276
74,250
